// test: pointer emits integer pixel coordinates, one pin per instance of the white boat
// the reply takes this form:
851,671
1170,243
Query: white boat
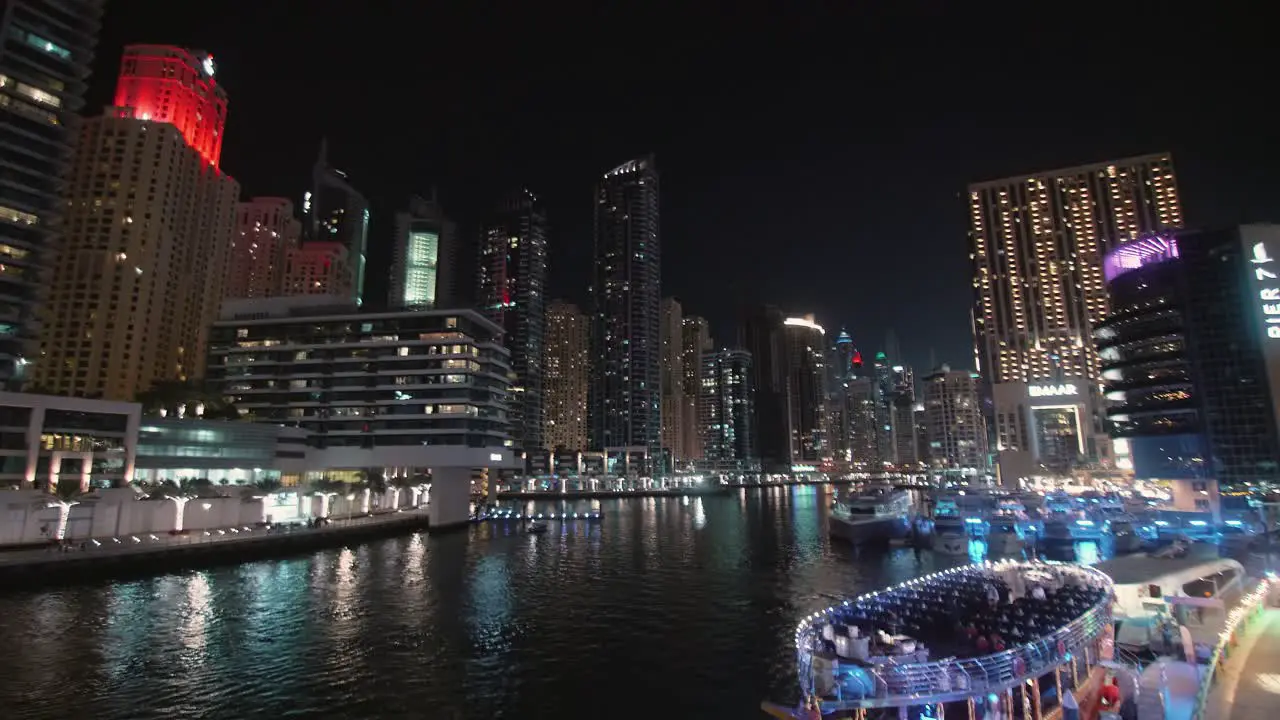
876,515
951,535
1194,586
1008,537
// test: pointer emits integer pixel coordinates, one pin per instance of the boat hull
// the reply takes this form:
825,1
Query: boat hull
871,530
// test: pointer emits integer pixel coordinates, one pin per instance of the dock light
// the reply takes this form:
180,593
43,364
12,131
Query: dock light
153,537
134,538
115,539
539,516
96,543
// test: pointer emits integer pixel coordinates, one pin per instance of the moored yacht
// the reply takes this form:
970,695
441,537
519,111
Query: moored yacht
875,515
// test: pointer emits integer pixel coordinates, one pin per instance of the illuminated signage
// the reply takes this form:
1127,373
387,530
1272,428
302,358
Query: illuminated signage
207,65
495,457
1052,390
1268,290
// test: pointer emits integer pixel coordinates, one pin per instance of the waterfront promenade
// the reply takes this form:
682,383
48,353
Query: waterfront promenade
151,551
1250,681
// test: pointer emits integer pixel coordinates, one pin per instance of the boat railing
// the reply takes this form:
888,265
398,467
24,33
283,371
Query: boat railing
958,678
1250,607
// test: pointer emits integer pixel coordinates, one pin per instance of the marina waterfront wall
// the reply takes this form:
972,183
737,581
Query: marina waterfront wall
29,517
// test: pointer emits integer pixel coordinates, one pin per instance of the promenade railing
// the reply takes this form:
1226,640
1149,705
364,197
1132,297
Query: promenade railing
1249,609
957,678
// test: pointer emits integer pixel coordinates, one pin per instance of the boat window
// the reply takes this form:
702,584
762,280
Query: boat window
1202,587
1154,591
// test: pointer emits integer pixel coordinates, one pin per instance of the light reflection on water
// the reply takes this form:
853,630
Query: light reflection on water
490,622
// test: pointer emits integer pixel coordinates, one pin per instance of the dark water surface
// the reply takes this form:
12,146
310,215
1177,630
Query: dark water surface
672,608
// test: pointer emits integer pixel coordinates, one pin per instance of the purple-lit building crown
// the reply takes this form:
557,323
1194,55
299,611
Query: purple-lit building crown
1139,253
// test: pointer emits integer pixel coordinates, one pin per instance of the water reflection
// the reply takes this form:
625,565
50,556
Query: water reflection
491,622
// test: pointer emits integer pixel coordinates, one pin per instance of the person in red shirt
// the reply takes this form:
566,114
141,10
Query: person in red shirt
1111,693
983,644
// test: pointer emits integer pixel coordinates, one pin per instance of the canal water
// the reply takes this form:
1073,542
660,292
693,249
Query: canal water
672,608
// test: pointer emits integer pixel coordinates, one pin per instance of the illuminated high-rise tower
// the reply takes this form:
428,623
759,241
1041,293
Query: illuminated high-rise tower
148,231
176,86
335,212
696,333
46,50
511,290
1037,243
425,261
671,333
568,331
625,407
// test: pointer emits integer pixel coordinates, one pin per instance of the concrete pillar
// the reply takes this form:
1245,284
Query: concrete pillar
495,475
450,496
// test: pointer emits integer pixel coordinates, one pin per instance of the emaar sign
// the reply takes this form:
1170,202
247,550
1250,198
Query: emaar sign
1064,390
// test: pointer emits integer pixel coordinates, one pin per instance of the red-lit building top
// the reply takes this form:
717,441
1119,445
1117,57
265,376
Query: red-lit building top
176,86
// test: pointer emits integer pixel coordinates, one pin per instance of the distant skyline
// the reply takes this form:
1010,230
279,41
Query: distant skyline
814,161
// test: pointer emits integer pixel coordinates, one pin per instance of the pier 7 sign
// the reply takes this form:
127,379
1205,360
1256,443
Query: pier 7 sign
1268,288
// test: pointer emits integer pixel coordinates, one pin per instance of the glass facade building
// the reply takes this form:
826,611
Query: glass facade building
1191,354
727,404
425,262
334,211
46,49
222,452
625,405
511,290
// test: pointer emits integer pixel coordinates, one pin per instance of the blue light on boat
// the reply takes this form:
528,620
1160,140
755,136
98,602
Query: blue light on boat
1199,523
1234,522
1086,523
973,521
1162,522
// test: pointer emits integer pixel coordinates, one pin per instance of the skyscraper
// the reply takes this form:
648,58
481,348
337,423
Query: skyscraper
806,390
334,211
761,334
696,341
148,234
957,430
1191,358
1037,245
266,232
625,408
511,291
318,268
727,411
902,404
46,50
567,365
425,257
671,337
840,372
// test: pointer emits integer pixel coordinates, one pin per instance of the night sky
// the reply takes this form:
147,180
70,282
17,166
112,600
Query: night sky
814,161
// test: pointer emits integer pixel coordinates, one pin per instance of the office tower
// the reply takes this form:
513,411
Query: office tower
957,430
266,233
760,333
1191,358
318,268
902,403
511,291
882,372
334,211
147,236
806,390
842,365
860,399
696,341
727,410
567,363
46,50
425,257
671,339
1037,243
625,409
